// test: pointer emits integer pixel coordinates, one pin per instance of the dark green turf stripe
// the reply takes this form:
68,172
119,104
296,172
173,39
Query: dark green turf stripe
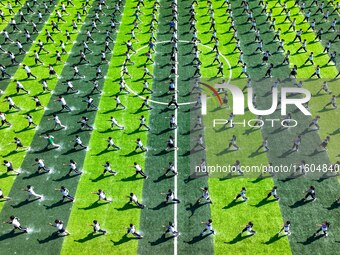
281,140
11,69
157,160
37,214
190,214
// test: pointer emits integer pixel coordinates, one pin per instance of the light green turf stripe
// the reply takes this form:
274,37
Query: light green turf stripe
26,103
216,142
327,72
113,217
9,16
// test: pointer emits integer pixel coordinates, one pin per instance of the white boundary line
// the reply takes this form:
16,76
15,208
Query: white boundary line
176,148
180,41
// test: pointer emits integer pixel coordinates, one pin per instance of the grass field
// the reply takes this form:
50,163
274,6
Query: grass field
229,216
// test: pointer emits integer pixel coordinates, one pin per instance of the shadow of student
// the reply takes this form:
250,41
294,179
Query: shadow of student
56,204
264,201
197,238
23,203
161,205
160,240
125,238
51,237
93,205
333,206
193,207
89,237
127,206
273,239
311,239
11,234
238,238
232,204
300,202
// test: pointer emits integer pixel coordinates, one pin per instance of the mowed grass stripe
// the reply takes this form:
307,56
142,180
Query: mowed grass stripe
158,213
190,213
25,102
291,191
328,72
36,215
118,215
14,35
249,139
8,16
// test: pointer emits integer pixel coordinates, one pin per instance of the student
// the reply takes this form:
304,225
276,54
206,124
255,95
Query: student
50,141
332,102
114,123
30,121
315,122
11,103
73,167
57,122
273,192
264,145
325,143
323,228
171,144
285,228
242,194
18,144
89,101
139,145
310,193
132,230
170,197
173,101
3,197
30,190
205,195
233,143
28,72
237,167
146,103
65,194
170,228
171,168
142,123
96,228
173,124
110,143
78,142
37,102
63,103
198,122
4,120
15,222
297,143
41,165
107,168
59,225
19,87
119,103
207,227
133,199
139,170
249,229
84,123
146,87
102,196
9,167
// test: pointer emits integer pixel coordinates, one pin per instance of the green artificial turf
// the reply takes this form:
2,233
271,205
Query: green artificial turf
8,16
116,217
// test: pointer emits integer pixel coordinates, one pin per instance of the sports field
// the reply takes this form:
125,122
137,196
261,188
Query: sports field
140,70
